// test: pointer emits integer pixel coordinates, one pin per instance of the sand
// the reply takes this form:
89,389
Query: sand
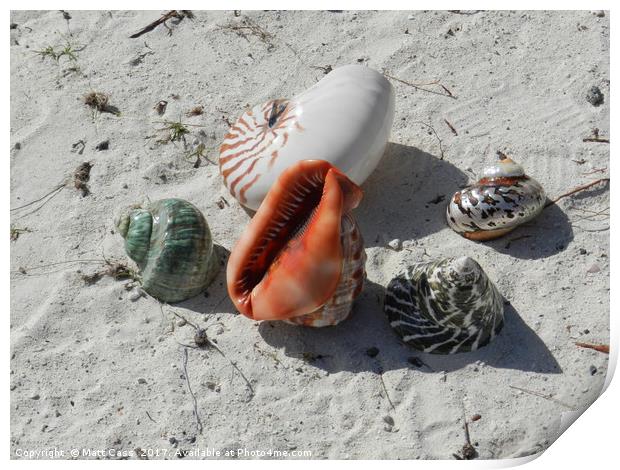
99,367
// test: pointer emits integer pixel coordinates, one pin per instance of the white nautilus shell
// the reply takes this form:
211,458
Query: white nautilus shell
504,198
344,119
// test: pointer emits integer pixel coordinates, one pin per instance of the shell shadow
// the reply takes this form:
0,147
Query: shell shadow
215,296
346,346
548,234
406,196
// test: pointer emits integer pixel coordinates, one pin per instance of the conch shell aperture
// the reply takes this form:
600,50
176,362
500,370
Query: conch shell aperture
302,257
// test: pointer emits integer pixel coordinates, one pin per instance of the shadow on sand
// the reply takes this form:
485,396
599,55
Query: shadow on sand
345,346
406,198
406,195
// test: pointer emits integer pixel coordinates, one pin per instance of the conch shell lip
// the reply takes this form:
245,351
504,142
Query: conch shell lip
289,259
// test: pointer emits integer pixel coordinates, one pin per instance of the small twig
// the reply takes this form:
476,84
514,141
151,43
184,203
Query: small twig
326,69
181,317
450,126
447,91
418,86
387,395
465,12
595,170
604,348
596,139
57,188
542,395
515,239
603,229
180,14
149,416
576,190
204,340
436,135
468,451
189,388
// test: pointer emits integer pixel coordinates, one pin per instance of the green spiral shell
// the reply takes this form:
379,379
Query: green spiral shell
171,243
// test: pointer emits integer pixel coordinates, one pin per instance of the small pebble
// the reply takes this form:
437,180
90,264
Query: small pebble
595,96
593,370
105,145
173,440
594,268
387,419
13,25
599,13
17,146
182,322
476,417
136,295
395,244
36,396
57,413
410,17
372,352
141,381
583,251
414,361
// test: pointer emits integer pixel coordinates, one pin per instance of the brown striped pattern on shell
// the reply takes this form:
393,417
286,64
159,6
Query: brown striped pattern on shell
261,132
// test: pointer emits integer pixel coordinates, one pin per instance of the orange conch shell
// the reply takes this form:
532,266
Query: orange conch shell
301,258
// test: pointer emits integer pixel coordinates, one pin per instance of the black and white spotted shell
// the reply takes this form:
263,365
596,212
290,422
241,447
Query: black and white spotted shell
445,306
504,198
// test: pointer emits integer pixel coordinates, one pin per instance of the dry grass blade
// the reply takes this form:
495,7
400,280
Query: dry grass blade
16,232
419,86
436,135
604,348
542,395
246,28
189,388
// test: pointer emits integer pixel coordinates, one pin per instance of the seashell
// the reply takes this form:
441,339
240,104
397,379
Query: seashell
445,306
301,259
504,198
344,119
171,243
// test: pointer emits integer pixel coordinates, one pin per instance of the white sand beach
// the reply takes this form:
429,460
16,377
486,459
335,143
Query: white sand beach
97,366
